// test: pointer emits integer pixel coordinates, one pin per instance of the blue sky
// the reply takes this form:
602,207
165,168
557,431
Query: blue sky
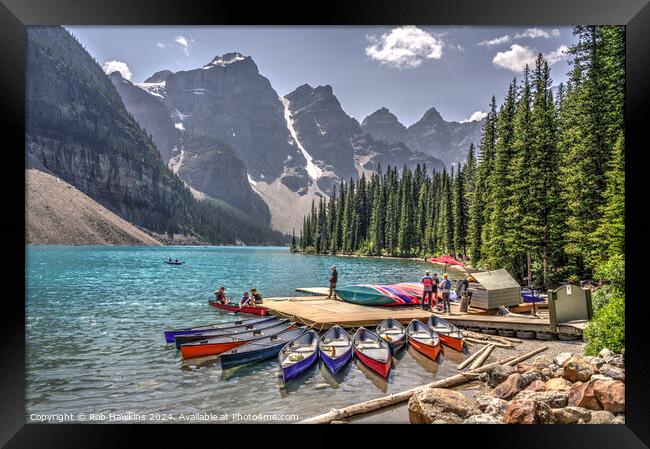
407,69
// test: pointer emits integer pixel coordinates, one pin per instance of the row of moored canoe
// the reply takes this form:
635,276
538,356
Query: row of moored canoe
252,340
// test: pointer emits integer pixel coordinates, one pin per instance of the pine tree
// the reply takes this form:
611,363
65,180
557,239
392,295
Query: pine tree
479,210
460,212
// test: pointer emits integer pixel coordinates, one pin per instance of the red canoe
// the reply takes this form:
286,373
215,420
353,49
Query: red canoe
423,339
218,345
235,308
373,351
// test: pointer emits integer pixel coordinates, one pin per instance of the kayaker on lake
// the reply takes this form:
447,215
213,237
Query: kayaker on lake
220,295
245,301
427,294
257,296
334,277
446,289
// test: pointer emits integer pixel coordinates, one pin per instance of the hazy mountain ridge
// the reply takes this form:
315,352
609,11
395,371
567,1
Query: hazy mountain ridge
78,128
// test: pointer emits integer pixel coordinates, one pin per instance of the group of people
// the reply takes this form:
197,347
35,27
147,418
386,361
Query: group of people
247,300
435,289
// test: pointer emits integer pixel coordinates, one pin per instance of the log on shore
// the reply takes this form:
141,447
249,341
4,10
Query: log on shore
471,358
488,342
481,360
397,398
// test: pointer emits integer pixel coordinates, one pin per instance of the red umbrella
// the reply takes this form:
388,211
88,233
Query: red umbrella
446,260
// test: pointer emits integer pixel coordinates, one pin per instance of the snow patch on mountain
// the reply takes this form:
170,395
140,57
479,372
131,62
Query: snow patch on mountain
155,89
224,60
312,169
179,126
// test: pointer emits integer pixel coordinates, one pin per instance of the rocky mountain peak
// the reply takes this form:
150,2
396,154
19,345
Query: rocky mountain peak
432,115
159,76
230,59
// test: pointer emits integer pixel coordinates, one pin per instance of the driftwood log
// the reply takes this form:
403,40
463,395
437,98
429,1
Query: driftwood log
477,336
481,360
490,342
471,358
397,398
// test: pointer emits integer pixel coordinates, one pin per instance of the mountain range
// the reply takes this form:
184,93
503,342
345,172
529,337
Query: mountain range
218,136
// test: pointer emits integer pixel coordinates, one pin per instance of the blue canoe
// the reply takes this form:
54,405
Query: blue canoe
258,350
298,355
335,348
214,327
529,295
180,340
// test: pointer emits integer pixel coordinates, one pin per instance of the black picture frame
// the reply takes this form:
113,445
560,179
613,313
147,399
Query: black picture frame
15,15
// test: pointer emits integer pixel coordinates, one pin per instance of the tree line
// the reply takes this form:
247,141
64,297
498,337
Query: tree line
542,194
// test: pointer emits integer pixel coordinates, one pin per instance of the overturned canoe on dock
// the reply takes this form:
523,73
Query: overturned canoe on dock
235,308
382,295
335,348
298,355
260,349
423,339
218,345
263,323
214,327
372,351
449,334
393,333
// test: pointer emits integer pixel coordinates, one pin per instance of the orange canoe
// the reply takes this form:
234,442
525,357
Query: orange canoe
218,345
423,339
449,334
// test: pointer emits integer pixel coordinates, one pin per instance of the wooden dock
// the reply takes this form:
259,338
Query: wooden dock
322,313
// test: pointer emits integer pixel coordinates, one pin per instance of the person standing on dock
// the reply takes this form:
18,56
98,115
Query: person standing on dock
436,285
334,277
427,293
446,289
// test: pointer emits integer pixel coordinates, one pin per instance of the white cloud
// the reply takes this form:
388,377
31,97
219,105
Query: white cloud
475,117
117,66
185,43
534,33
515,59
557,55
495,41
519,56
404,47
160,45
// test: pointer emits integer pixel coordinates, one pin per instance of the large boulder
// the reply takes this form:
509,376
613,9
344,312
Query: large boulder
561,358
571,415
536,385
554,399
523,367
431,405
508,388
529,377
542,362
612,371
602,417
491,405
596,361
527,411
611,395
558,384
606,354
498,374
577,369
483,418
583,395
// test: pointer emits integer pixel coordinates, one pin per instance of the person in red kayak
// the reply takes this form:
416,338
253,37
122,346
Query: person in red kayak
257,296
246,301
427,291
220,295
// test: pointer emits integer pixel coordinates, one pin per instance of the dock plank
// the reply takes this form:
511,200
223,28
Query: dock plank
324,313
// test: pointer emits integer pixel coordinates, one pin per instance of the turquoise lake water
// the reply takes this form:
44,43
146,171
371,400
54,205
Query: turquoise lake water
94,331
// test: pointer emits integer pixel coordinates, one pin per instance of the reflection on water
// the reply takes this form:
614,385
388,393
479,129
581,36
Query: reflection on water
95,319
